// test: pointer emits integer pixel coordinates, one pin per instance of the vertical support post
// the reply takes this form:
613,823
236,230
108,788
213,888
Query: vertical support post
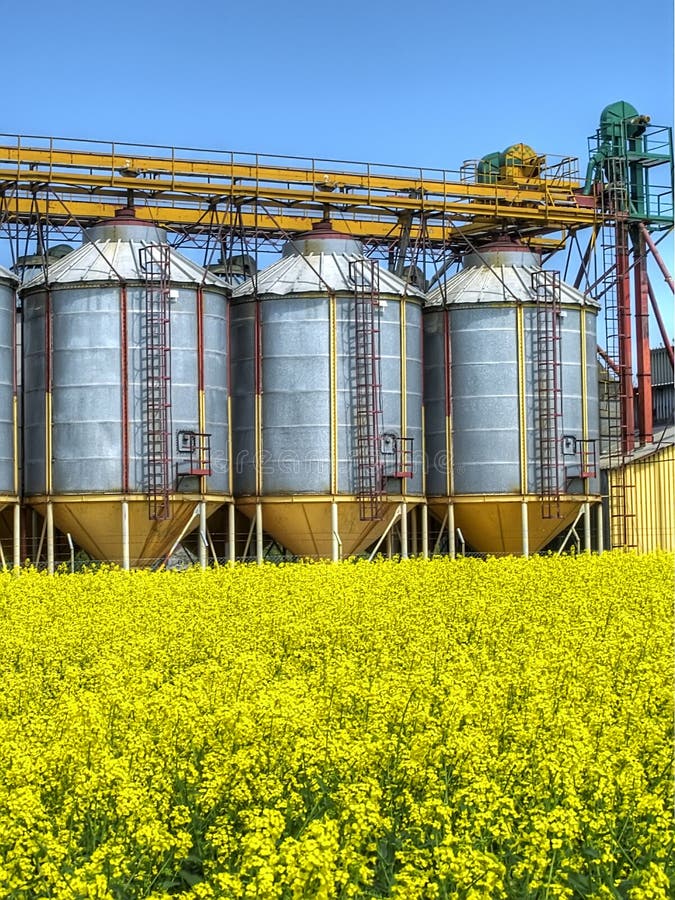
644,363
424,512
16,536
525,528
334,531
34,539
451,530
404,530
50,538
413,531
258,534
587,527
203,546
389,546
126,559
600,528
231,537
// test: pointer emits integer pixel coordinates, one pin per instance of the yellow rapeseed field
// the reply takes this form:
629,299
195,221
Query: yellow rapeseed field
470,729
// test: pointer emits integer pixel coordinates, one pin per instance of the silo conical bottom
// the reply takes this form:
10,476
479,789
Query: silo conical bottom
303,526
95,525
494,525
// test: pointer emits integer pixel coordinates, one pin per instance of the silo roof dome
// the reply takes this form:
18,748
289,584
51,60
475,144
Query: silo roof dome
319,261
322,238
499,273
110,253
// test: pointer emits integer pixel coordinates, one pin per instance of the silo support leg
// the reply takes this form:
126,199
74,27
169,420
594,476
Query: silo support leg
599,521
50,538
451,530
126,558
587,527
390,544
335,533
404,531
16,549
231,538
258,534
413,531
525,527
203,545
424,513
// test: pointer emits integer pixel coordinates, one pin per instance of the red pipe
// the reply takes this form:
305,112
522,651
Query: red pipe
644,231
662,325
200,379
644,365
124,372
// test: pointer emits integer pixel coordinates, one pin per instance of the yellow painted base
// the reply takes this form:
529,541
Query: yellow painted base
492,524
303,524
95,524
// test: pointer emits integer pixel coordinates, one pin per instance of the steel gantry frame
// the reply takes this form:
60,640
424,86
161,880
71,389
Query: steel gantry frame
68,182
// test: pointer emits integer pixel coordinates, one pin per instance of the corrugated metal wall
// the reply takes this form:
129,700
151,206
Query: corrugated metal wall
663,392
654,480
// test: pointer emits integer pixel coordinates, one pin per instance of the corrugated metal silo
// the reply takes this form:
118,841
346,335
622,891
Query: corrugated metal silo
126,392
9,463
511,401
327,396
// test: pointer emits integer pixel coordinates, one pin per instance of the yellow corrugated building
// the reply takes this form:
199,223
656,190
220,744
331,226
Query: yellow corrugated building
651,495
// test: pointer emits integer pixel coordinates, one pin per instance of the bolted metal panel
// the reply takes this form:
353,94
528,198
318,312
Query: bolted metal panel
86,395
390,376
415,394
243,397
7,344
34,382
296,396
486,434
435,401
217,381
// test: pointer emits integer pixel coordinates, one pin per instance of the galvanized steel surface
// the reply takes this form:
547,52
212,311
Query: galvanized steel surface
495,280
87,369
8,284
295,369
318,272
480,304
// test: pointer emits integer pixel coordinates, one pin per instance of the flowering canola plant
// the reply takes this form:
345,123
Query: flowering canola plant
418,729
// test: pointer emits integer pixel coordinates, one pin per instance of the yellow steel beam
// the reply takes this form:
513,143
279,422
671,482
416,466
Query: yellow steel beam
59,206
188,194
112,168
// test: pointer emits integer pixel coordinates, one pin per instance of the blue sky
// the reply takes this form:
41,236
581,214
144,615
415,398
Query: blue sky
423,83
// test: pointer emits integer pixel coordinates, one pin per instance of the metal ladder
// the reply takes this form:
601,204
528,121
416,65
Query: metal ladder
547,391
155,263
621,488
368,469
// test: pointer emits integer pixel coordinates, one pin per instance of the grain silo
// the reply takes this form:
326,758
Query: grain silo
327,397
126,392
511,401
9,462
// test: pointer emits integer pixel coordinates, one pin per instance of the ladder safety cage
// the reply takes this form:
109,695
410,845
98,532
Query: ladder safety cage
547,390
580,455
368,463
397,456
155,265
194,451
